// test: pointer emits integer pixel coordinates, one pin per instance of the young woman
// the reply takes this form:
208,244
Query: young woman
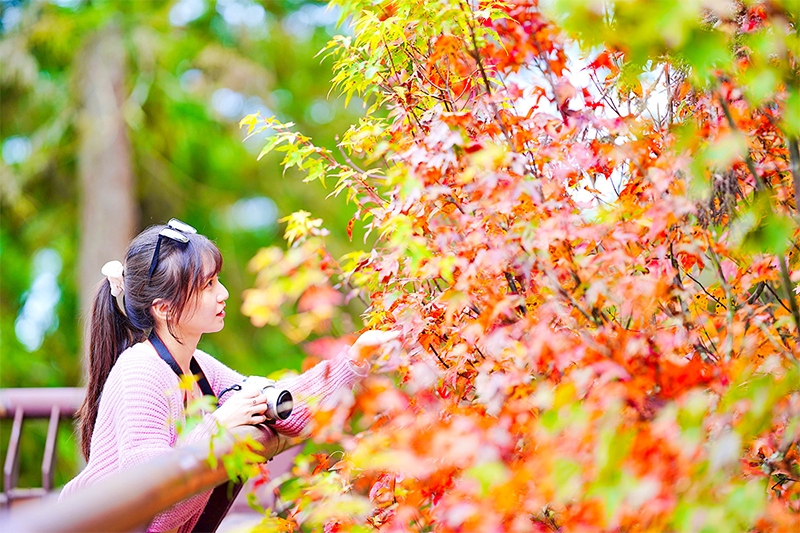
147,318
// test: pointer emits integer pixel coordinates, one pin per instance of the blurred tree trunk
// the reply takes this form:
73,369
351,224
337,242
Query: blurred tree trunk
108,206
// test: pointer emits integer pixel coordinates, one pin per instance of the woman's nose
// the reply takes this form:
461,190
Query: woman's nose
223,294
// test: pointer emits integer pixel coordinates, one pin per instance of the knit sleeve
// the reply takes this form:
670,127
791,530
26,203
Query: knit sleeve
145,426
323,385
219,376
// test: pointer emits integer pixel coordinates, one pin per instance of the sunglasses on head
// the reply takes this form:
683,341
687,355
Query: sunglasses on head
175,230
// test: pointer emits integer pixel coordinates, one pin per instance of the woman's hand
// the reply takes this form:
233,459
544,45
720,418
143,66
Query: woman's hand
370,342
245,407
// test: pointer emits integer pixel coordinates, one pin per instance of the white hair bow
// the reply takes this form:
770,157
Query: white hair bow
113,272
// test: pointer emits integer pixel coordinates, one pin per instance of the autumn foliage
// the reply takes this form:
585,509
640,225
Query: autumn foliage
585,222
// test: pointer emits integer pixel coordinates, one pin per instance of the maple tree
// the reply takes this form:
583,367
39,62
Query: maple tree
585,226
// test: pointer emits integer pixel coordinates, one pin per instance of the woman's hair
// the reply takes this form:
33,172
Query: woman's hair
182,270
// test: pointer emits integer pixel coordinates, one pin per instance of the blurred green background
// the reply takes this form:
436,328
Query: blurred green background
115,115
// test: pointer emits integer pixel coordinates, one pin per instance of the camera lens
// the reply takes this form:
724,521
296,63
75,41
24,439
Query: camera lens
279,403
285,404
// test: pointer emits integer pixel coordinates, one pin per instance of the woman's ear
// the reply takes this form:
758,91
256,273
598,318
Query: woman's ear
160,309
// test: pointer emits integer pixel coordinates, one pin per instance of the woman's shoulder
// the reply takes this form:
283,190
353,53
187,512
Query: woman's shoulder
142,360
215,370
206,360
204,357
141,353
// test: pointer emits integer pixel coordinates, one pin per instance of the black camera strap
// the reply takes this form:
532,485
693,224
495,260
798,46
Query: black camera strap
194,366
221,499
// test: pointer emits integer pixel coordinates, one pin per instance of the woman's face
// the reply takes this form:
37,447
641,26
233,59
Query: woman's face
208,313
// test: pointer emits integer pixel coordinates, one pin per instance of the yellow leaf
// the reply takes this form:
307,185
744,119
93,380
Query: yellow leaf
250,120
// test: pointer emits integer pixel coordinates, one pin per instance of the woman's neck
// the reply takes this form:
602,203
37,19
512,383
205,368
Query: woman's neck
182,351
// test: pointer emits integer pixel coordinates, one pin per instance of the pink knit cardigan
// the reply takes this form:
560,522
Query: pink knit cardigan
141,405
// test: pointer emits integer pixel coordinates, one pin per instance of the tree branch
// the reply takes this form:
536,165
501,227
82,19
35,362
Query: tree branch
787,283
760,184
794,168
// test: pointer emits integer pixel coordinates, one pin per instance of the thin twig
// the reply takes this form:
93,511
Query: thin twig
438,357
760,184
728,296
756,293
569,297
775,343
787,283
777,297
702,287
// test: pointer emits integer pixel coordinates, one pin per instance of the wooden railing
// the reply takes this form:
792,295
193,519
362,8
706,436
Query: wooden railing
128,501
54,404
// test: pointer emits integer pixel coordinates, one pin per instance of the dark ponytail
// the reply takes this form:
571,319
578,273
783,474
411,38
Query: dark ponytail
182,270
109,333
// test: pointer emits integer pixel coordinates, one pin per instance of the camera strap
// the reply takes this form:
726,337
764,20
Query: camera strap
194,366
221,499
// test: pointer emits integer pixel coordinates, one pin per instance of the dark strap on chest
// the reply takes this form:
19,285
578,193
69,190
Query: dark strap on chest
219,503
223,495
194,366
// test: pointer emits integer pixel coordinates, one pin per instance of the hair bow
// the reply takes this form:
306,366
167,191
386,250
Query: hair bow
113,272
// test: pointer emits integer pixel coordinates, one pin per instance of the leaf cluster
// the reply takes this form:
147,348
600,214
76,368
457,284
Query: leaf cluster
593,277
